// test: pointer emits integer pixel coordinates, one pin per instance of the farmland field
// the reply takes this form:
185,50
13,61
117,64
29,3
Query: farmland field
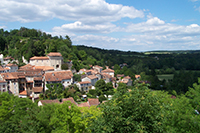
165,76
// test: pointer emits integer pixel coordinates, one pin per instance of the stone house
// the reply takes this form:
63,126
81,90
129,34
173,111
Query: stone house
91,78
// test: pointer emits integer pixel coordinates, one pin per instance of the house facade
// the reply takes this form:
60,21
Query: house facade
84,86
91,78
53,59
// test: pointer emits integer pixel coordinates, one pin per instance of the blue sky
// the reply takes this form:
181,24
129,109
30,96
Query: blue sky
135,25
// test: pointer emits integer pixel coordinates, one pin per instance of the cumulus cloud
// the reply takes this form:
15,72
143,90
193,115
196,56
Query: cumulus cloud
87,11
153,34
79,27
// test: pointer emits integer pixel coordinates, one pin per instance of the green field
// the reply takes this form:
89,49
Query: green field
165,76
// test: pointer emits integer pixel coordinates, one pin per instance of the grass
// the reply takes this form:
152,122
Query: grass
165,76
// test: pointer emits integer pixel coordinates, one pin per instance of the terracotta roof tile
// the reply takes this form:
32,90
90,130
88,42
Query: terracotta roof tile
49,101
44,68
93,101
37,89
54,54
137,76
13,75
1,68
127,77
92,77
107,70
39,58
23,93
8,58
97,66
10,64
71,99
58,75
37,78
85,104
85,82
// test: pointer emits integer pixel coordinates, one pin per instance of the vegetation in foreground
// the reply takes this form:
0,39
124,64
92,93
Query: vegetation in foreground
137,110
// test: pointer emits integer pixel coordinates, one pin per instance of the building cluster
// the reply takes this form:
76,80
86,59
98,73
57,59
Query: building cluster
31,80
91,76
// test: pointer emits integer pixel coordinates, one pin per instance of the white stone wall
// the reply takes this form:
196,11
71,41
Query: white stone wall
14,87
67,82
40,62
56,61
3,86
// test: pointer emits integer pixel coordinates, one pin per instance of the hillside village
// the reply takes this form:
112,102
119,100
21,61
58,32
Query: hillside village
31,80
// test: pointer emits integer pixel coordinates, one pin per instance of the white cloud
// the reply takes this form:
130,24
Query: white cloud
2,27
87,11
154,34
79,27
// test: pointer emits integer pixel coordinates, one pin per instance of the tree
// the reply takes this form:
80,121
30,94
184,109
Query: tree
137,111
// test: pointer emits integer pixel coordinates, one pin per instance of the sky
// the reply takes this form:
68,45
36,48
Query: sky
128,25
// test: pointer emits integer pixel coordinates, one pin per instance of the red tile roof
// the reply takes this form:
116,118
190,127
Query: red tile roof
37,78
13,75
120,75
37,89
8,58
1,81
85,82
98,67
92,77
49,101
1,68
10,64
58,75
137,76
54,54
28,66
127,77
23,93
71,99
39,58
44,68
85,104
108,70
93,101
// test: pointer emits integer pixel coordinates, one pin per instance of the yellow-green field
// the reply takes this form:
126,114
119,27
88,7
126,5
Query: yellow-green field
165,76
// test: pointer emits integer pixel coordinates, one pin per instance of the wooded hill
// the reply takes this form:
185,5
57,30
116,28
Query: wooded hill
184,65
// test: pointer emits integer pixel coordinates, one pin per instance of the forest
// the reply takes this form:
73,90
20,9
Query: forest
138,110
169,103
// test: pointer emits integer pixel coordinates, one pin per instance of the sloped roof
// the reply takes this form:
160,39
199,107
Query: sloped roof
1,68
23,93
92,77
105,75
54,54
8,58
93,101
37,89
58,75
85,82
127,77
10,64
96,66
120,75
28,66
44,68
39,58
85,104
108,70
37,78
13,75
71,99
49,101
137,76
